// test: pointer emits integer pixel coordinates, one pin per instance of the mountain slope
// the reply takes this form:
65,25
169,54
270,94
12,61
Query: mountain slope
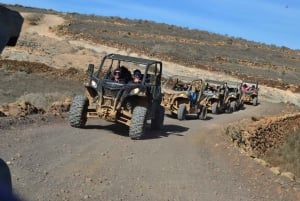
270,65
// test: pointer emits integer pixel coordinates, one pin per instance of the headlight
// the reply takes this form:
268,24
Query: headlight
94,84
135,91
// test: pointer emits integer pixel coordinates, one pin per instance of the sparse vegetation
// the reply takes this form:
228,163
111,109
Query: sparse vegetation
286,155
190,47
35,18
41,100
35,67
275,139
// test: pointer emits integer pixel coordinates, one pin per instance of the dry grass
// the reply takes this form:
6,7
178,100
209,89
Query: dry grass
286,156
34,18
194,48
43,100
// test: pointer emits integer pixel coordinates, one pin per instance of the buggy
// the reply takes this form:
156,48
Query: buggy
125,102
233,96
219,97
249,92
181,96
211,96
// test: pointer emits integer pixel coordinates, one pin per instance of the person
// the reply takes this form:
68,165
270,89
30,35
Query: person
137,76
118,75
252,88
245,87
122,75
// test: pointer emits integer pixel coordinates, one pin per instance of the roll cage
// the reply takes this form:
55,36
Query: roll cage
151,67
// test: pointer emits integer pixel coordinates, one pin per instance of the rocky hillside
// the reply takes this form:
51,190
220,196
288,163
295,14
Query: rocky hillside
270,65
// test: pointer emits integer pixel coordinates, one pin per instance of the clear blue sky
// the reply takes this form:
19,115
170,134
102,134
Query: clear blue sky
273,22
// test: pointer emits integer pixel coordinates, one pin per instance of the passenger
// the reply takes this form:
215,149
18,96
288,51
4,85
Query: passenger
245,87
252,88
137,76
186,86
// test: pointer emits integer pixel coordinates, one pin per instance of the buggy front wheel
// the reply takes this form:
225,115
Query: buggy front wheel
137,127
203,113
214,107
181,112
233,106
255,101
78,111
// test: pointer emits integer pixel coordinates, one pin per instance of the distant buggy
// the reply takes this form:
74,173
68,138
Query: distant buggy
124,102
182,96
249,90
221,96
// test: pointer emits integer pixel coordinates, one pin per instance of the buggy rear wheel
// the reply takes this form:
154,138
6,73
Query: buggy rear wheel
78,111
137,127
157,123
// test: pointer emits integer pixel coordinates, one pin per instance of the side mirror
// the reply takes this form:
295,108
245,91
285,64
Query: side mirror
91,69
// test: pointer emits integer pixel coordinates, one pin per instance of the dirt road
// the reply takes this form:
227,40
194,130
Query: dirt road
189,160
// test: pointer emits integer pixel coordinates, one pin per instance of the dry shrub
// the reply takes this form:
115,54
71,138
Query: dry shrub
34,18
41,100
286,156
275,139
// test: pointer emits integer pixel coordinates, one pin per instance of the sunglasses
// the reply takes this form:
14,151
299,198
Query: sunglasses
137,75
117,73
